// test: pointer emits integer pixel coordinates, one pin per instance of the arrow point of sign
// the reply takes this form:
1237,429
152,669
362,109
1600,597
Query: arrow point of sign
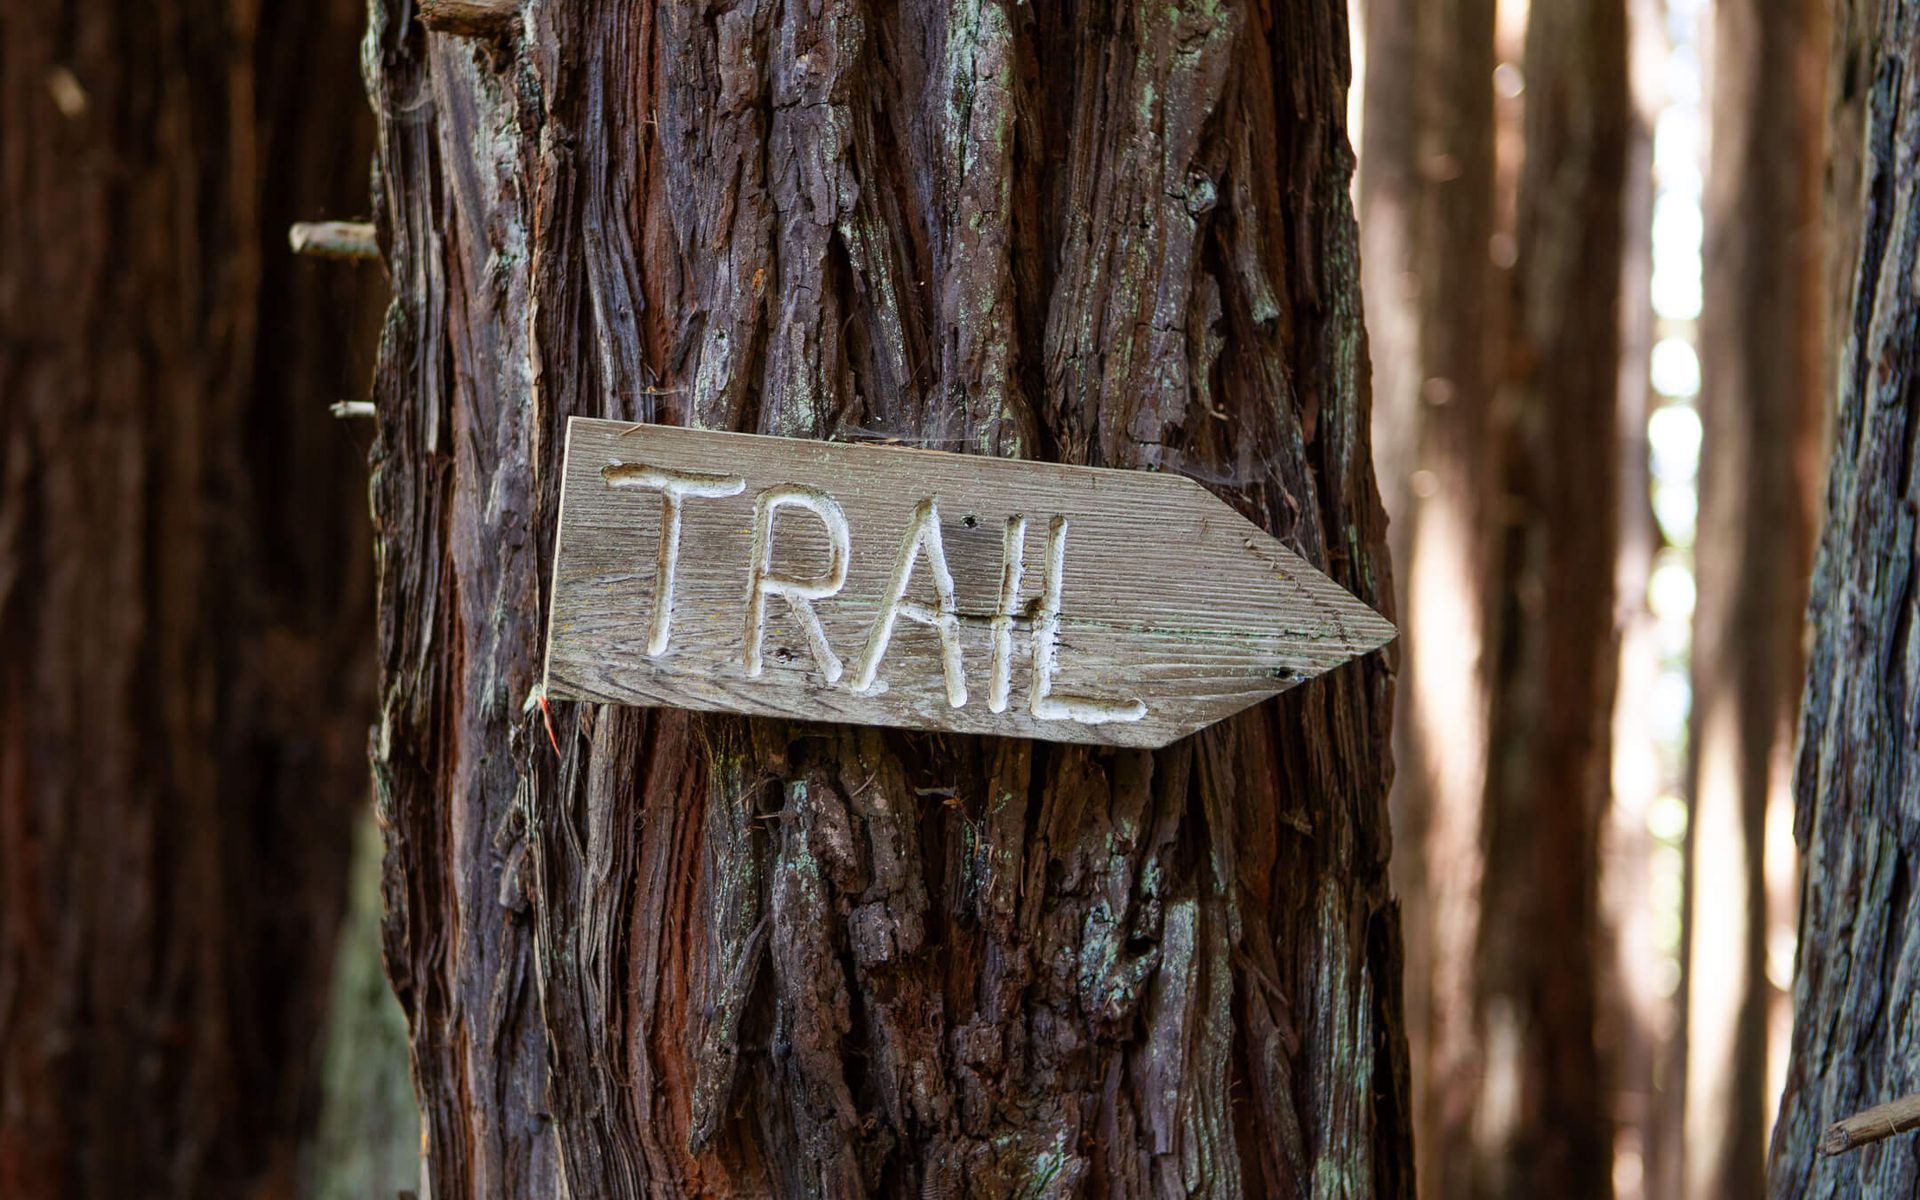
1368,629
1316,613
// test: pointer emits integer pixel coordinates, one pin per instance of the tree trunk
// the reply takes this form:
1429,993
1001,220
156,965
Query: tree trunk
1637,1014
1760,343
1434,317
692,956
183,588
1857,818
1543,1125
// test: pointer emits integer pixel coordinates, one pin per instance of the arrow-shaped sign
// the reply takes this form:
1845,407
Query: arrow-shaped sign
877,585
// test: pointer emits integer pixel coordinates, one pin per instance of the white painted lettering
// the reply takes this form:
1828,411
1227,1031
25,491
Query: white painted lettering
1013,569
800,593
1045,705
923,537
674,488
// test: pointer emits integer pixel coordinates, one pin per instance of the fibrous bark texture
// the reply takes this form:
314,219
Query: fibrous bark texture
1434,313
705,957
1542,1123
1857,816
183,589
1761,364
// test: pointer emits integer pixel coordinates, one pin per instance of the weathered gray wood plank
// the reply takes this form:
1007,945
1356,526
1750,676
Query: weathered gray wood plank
1172,611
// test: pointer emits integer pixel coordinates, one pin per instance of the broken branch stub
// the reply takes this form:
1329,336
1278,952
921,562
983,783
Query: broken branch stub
1872,1125
349,240
470,18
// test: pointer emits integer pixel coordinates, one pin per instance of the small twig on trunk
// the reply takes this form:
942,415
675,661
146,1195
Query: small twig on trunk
346,409
334,239
1880,1121
470,18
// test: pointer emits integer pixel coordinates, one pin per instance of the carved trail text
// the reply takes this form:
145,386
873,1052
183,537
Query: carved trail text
921,549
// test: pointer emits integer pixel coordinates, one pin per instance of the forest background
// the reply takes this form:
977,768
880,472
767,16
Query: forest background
1625,273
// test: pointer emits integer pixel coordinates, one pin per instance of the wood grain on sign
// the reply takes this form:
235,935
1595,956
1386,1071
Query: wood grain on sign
878,585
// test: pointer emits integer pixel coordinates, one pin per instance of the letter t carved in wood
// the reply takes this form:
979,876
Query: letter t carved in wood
674,487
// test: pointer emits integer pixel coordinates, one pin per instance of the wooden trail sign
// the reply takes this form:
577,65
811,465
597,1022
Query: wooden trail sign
877,585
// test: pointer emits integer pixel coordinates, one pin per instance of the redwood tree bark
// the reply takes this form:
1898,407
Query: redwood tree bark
1542,1120
1857,817
720,957
1761,365
183,588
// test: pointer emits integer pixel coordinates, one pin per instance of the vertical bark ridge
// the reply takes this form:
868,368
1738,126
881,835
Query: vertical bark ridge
442,763
1856,819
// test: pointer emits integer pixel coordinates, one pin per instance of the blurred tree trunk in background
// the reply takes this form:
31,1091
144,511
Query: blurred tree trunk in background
1543,1121
717,957
184,595
1637,1013
1427,216
1761,366
1504,520
1857,784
